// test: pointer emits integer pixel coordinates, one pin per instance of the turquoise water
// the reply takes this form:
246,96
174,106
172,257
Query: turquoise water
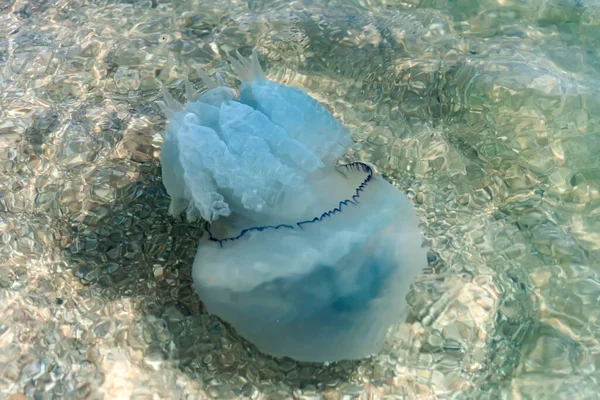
485,113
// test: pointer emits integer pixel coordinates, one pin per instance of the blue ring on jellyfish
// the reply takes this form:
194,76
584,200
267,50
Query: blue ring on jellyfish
356,166
340,303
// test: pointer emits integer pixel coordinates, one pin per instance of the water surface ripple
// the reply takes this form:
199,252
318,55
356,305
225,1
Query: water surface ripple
487,113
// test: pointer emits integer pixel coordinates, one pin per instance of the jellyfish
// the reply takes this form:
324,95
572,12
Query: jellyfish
304,257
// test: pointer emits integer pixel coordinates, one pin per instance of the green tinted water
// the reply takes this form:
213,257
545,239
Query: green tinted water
486,113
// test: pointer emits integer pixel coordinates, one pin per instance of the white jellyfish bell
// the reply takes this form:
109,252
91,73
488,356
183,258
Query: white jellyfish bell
304,258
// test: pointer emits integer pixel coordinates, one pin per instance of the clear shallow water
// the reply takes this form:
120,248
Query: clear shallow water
486,113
